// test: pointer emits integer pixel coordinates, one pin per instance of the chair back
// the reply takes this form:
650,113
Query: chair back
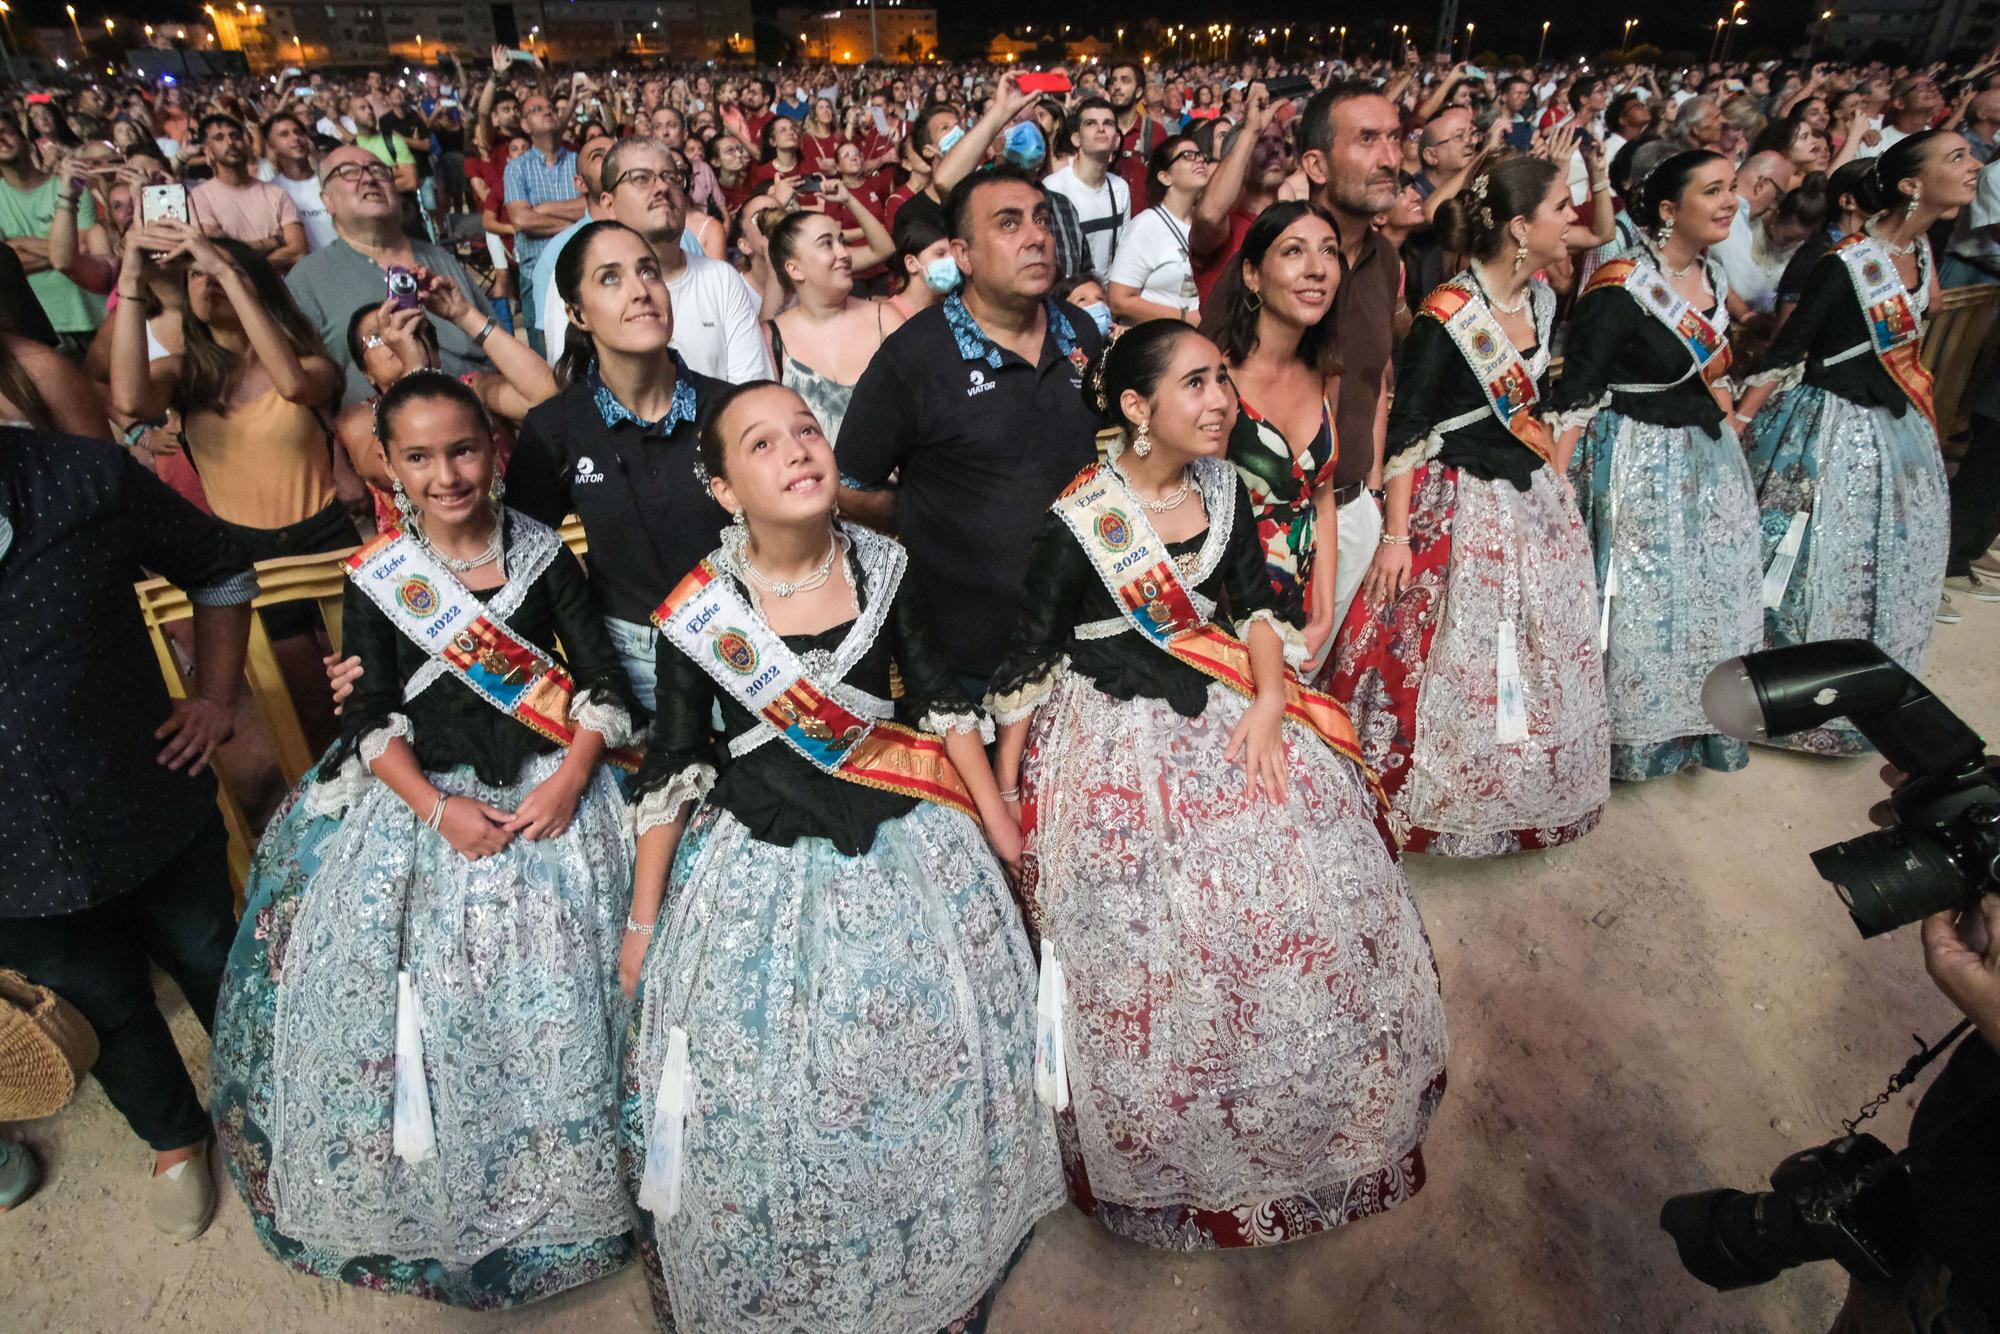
1960,347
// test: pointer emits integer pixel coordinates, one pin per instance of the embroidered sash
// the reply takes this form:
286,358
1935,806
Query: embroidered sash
1708,345
1895,330
1510,390
426,601
710,621
1139,571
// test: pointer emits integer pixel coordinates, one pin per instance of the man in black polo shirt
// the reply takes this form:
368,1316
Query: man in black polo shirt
978,402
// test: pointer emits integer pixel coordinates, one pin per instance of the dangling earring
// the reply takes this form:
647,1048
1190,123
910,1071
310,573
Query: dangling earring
404,505
1666,232
1916,198
1140,444
1520,256
498,491
1254,300
738,520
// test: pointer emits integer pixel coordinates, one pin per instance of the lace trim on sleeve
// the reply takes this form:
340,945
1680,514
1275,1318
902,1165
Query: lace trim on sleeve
1413,455
1022,701
662,804
1578,417
375,744
941,721
1288,634
1785,377
604,716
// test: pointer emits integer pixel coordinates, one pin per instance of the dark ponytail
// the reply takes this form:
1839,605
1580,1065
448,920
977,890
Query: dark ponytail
1882,188
1501,186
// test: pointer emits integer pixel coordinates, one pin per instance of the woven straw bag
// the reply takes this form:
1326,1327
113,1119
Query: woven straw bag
45,1049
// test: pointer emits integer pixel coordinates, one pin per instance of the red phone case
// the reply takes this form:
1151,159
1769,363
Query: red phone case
1056,82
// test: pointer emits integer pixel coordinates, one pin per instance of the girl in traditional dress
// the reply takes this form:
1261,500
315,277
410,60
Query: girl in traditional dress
1270,319
1844,453
1470,658
1253,1035
829,1108
415,1064
1660,475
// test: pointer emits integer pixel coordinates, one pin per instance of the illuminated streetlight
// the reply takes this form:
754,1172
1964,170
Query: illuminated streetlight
109,26
71,11
1625,42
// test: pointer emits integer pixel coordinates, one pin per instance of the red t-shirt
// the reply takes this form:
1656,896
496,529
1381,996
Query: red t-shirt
1138,144
1209,268
818,152
753,125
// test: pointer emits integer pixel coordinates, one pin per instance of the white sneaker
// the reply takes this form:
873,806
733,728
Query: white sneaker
182,1198
1988,565
1946,613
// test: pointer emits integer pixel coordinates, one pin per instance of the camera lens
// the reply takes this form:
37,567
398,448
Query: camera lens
1729,1239
1892,877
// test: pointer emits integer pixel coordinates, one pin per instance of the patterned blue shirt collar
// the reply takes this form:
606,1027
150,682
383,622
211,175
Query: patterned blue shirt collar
974,345
684,408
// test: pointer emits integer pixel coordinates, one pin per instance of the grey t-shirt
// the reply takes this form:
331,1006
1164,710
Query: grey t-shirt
331,284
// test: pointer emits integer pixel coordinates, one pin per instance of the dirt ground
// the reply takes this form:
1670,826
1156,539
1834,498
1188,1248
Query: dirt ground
1678,1002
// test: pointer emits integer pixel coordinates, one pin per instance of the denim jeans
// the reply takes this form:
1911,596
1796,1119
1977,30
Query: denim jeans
637,645
100,960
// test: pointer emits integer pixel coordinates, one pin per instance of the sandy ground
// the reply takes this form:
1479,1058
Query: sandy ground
1678,1002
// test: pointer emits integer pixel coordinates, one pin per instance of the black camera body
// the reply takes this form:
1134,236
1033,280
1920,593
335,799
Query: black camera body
1849,1200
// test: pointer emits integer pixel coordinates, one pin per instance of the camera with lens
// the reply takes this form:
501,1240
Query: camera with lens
1850,1200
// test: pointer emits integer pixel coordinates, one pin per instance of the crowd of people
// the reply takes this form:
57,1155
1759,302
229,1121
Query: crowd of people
1050,556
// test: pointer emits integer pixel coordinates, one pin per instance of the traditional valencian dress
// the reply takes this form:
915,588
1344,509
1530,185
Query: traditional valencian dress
378,970
1856,520
830,1114
1281,482
1478,694
1664,489
1246,1002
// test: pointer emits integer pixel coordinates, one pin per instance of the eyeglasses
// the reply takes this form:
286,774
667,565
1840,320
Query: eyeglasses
645,178
353,173
1187,155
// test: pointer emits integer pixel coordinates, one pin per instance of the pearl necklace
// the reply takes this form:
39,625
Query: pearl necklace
1172,502
1520,303
780,588
493,551
1909,247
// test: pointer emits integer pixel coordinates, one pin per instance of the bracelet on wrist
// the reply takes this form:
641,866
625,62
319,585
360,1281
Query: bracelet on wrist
1010,794
1395,539
485,331
435,821
640,930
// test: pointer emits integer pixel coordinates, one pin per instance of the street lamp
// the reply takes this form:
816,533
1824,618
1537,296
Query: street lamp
1543,48
71,11
1468,41
1625,42
1715,42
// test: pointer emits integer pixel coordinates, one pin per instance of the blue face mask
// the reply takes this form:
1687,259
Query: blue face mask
948,139
941,275
1100,315
1024,146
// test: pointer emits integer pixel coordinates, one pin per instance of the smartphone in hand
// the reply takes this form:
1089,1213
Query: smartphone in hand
164,201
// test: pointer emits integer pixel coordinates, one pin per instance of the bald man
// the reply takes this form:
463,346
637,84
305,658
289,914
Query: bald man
1745,255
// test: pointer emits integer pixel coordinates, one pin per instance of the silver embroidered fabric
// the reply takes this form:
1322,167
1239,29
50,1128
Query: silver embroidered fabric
1873,567
515,960
606,717
864,1149
1253,1009
1686,549
1519,556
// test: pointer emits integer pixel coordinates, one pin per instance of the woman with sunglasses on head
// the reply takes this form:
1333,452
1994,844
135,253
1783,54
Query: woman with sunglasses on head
822,933
416,1080
1246,1008
1271,317
1659,475
1843,444
1152,275
1470,658
824,340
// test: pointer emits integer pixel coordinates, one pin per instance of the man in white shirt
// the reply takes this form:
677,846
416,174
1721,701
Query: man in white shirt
1102,198
714,311
1753,266
1917,102
288,164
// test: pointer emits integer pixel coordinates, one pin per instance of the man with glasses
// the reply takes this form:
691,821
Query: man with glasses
716,330
540,191
360,195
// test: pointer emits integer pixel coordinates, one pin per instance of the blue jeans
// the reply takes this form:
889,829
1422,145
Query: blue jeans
636,645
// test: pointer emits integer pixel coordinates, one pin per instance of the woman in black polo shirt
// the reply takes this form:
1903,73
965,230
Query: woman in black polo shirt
617,446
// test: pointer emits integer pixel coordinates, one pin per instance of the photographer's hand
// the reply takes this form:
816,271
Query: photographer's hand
1962,955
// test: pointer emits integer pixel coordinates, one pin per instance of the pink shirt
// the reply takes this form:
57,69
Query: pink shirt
249,213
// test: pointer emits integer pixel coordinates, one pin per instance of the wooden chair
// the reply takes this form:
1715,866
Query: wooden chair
1960,349
318,579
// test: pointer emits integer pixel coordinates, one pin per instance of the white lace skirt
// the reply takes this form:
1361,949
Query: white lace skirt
515,960
864,1149
1253,1008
